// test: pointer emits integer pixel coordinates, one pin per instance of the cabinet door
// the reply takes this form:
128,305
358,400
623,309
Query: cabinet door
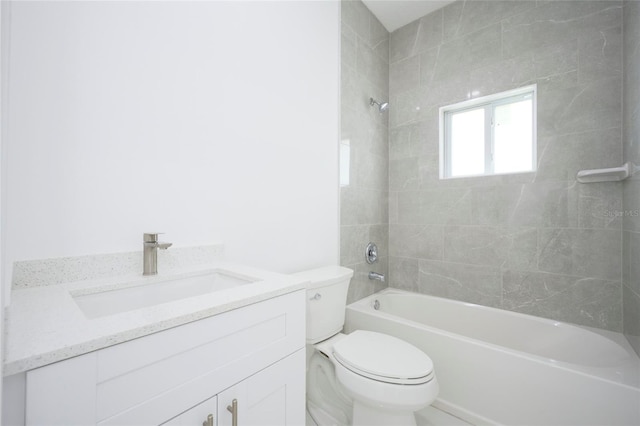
203,414
274,396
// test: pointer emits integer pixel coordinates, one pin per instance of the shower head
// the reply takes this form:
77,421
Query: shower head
382,107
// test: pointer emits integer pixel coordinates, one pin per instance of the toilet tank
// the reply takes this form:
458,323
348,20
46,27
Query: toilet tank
326,300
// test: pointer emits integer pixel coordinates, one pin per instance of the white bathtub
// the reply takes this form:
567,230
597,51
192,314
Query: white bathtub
501,367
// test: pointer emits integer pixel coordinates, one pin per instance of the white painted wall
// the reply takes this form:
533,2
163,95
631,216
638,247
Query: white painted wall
3,80
210,122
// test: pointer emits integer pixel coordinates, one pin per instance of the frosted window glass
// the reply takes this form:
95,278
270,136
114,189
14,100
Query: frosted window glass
494,134
513,133
467,143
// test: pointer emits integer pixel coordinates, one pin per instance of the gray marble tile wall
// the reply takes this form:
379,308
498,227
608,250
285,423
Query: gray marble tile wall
364,212
537,243
631,188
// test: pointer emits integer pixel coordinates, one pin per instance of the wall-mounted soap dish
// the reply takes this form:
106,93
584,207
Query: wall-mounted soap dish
612,174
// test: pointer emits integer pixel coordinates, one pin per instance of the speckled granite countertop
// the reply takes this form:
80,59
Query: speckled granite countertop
45,325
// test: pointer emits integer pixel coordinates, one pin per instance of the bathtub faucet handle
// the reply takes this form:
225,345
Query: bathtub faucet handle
371,253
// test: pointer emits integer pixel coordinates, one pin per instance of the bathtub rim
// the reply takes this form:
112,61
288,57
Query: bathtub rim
629,377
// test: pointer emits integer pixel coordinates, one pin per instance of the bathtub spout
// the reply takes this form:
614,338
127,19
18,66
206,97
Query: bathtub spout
376,276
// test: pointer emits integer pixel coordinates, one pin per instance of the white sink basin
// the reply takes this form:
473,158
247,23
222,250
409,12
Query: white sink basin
111,302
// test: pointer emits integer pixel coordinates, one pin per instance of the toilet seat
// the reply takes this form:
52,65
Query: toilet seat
383,358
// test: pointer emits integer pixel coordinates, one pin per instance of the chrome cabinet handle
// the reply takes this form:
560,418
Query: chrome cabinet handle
233,409
209,421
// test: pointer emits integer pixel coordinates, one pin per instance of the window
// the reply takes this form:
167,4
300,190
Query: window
491,135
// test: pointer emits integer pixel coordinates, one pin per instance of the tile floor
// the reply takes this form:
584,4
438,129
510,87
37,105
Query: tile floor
428,417
431,416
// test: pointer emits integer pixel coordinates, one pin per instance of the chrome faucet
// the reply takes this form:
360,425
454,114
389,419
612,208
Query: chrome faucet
376,276
150,252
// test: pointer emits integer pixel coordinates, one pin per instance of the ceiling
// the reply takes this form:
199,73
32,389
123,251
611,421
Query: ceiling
396,13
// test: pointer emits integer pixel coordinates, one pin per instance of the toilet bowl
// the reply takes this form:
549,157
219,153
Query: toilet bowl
385,378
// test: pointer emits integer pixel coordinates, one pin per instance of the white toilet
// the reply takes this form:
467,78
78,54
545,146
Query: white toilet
386,378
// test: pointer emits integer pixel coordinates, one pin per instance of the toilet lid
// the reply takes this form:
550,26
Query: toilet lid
383,357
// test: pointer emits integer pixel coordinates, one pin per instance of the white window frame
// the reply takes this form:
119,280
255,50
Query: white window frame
489,103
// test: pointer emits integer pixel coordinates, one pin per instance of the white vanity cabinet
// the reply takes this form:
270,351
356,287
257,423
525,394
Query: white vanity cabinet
254,354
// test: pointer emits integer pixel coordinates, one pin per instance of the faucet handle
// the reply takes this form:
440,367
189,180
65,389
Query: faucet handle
151,237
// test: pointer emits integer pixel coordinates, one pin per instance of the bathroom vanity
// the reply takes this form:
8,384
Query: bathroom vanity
228,357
